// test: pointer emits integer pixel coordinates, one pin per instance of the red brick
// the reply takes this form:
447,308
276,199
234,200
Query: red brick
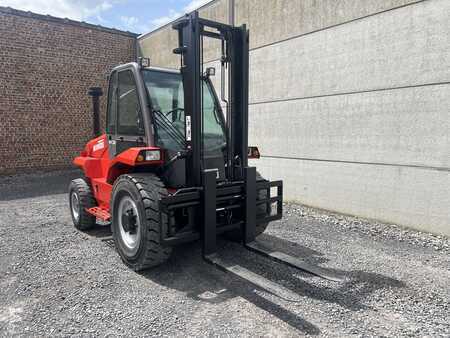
46,67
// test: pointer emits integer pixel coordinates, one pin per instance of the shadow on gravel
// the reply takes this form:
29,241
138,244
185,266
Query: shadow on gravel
350,294
102,232
187,272
34,185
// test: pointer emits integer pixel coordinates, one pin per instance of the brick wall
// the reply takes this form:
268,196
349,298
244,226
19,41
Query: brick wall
46,67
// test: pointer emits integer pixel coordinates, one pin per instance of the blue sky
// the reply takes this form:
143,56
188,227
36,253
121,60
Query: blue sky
131,15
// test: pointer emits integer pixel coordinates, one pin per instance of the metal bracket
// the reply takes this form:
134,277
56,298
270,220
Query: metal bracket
209,212
250,204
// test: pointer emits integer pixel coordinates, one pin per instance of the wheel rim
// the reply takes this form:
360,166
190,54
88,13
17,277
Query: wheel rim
130,233
75,206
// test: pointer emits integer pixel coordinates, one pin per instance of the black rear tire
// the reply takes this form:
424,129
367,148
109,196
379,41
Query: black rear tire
80,199
261,211
139,248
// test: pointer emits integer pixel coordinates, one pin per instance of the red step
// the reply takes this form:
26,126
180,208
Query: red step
100,213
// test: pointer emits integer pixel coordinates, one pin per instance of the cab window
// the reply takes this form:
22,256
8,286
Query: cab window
129,110
112,105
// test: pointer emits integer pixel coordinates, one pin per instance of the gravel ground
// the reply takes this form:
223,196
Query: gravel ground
55,280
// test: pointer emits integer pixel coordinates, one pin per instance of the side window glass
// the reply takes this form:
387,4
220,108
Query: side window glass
112,105
130,117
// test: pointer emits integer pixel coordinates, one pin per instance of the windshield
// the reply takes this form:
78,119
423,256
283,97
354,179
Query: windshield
167,99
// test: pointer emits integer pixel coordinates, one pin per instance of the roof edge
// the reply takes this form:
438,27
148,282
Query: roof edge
145,35
64,21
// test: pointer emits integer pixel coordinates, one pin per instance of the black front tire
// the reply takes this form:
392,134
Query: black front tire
145,191
80,199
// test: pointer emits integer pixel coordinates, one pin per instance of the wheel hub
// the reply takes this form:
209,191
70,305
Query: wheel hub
129,221
129,224
75,204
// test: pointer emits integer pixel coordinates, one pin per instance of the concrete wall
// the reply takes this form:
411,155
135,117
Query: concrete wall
158,45
349,103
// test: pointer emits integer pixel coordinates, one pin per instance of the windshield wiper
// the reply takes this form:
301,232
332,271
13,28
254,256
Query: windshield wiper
166,124
173,111
216,115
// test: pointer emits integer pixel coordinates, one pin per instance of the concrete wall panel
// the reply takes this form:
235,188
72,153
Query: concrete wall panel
407,126
403,47
217,11
159,44
349,102
274,20
413,197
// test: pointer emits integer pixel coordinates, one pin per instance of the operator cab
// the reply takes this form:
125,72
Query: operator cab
146,108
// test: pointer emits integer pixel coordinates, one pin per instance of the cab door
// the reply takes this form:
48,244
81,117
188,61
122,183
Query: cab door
125,123
111,114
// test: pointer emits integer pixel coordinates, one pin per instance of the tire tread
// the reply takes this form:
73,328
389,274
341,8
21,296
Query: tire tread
151,189
87,201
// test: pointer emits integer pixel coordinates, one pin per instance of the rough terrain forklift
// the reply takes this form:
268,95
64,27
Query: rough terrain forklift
173,168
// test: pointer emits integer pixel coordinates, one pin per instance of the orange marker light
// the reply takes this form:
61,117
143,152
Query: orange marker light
253,153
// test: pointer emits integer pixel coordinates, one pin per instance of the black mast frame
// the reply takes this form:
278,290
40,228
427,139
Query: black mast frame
191,30
241,189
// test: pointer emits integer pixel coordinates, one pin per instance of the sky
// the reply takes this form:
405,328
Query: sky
129,15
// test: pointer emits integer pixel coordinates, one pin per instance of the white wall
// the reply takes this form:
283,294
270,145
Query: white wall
349,103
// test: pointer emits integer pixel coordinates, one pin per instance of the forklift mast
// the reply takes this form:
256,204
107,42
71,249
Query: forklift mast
241,188
235,55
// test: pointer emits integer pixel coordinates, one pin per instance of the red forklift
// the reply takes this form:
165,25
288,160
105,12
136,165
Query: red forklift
173,167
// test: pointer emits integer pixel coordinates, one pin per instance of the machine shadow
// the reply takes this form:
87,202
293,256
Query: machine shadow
350,293
29,186
102,232
187,272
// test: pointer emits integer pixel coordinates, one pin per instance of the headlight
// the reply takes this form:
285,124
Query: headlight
153,155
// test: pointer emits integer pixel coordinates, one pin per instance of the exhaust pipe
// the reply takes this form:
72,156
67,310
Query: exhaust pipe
96,92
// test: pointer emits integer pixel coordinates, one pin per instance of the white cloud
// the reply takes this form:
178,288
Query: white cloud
173,15
72,9
133,24
130,21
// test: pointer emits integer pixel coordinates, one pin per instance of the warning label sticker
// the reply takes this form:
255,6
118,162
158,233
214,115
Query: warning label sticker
188,129
99,145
